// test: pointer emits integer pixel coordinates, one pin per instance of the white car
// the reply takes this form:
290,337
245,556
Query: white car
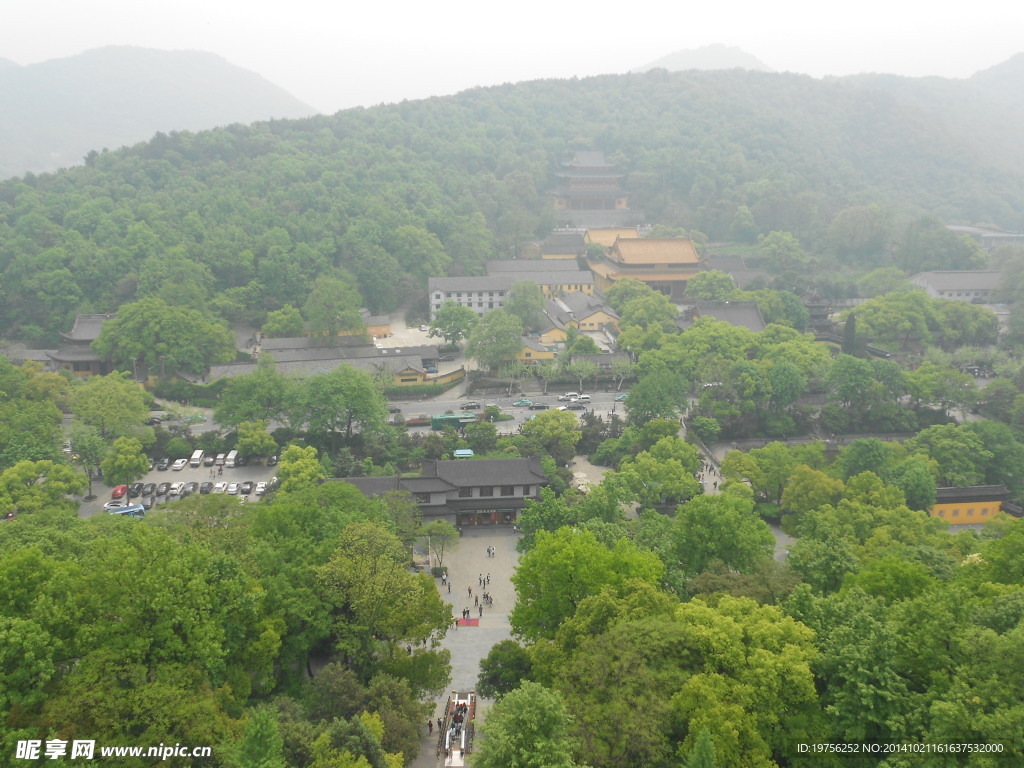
176,489
116,504
232,489
261,488
179,464
424,327
568,396
220,487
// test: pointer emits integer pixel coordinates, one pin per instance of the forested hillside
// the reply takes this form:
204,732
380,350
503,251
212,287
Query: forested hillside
239,221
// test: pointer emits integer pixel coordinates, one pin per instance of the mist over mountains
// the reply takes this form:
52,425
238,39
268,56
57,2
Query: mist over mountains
57,111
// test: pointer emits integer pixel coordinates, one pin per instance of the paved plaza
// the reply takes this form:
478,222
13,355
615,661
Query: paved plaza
468,645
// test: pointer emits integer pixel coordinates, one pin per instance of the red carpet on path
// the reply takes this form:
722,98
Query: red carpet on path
469,622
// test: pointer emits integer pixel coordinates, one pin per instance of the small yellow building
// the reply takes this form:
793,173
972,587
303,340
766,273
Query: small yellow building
973,504
534,351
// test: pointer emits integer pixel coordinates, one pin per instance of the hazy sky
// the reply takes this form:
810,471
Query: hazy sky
334,54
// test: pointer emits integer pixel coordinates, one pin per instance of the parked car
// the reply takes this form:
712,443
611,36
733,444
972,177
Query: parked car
176,489
205,487
446,358
261,488
208,460
119,491
116,504
241,461
179,464
152,463
148,489
192,487
424,327
524,402
163,464
539,406
272,461
162,489
148,502
245,488
220,487
135,489
232,489
153,421
469,405
431,369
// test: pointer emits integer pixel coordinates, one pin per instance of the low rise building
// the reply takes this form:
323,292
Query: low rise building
465,491
975,285
971,504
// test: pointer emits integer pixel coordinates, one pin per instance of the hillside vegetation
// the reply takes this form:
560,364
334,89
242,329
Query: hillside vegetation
239,221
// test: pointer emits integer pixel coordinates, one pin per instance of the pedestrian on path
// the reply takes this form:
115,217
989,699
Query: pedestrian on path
430,727
469,590
481,611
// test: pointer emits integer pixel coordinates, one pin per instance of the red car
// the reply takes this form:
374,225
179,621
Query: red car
119,491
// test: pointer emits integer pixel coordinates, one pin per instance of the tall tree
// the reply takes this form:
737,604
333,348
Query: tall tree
113,403
333,307
125,462
165,338
452,322
526,301
497,337
527,728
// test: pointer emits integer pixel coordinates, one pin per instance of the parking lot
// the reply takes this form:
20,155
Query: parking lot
254,473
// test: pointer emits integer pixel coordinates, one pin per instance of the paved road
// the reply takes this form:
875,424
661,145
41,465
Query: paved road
468,645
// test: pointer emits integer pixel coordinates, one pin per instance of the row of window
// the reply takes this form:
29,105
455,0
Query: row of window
469,294
488,490
964,294
969,513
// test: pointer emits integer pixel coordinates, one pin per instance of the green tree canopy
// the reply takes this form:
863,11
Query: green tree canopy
496,338
453,322
165,338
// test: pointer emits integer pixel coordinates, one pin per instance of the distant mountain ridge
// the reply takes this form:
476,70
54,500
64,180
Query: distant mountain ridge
56,111
707,57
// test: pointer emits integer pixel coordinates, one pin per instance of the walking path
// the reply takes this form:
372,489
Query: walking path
468,645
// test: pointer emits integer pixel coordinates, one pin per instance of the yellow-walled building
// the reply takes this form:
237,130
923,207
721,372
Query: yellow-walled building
974,504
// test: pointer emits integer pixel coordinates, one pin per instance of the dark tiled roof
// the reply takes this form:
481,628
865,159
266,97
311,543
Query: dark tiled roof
374,486
87,327
501,266
741,313
972,493
314,342
582,305
959,280
564,242
75,354
471,283
311,367
469,472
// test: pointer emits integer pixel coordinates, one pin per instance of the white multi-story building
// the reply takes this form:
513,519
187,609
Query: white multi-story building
481,294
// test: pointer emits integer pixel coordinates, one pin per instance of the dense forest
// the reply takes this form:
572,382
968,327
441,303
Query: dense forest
239,221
